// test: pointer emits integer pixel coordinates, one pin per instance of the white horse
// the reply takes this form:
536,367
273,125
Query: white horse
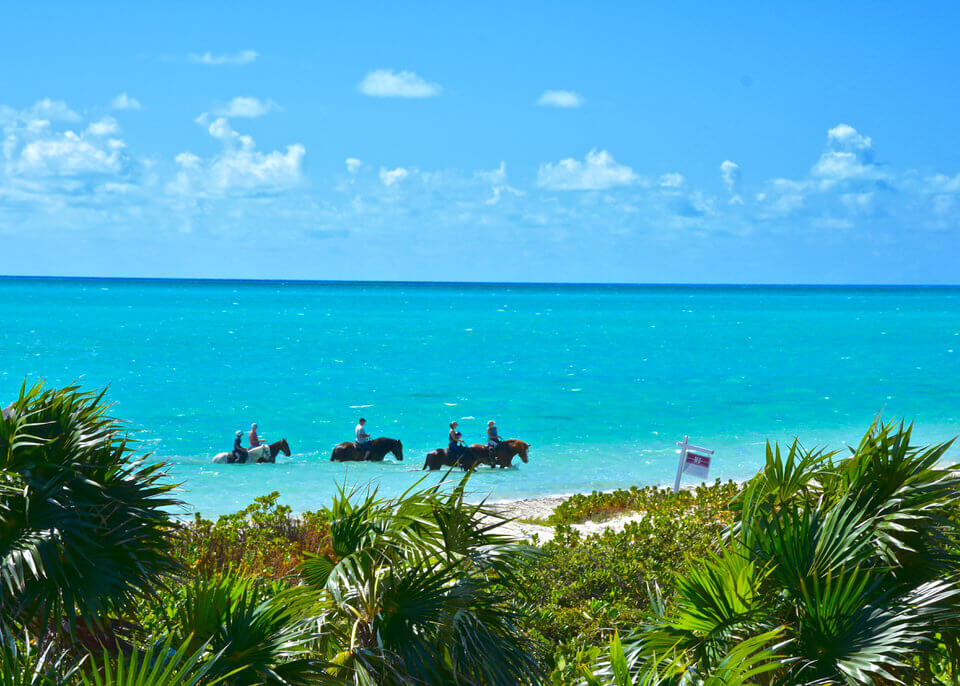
262,453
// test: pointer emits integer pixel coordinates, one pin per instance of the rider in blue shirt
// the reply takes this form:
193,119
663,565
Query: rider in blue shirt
239,452
493,438
455,447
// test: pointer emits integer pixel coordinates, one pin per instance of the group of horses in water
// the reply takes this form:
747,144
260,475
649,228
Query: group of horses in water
470,456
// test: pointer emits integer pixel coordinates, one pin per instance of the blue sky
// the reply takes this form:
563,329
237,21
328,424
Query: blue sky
677,142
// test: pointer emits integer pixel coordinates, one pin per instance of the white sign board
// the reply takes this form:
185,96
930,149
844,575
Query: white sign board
694,461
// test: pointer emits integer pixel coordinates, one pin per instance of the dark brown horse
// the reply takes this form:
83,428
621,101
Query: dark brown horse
471,457
379,447
505,452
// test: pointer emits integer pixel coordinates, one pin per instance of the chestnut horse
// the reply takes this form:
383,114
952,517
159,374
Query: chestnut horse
262,453
379,447
505,452
472,456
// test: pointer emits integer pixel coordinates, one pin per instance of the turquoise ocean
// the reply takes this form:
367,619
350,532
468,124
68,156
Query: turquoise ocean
602,381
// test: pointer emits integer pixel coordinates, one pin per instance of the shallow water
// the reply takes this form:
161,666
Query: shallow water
601,380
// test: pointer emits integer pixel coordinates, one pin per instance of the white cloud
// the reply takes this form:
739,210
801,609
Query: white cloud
246,107
239,169
564,99
386,83
54,110
848,138
242,57
125,102
105,127
730,172
672,180
390,177
353,165
598,171
70,154
849,156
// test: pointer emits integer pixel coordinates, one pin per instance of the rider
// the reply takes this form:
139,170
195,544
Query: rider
493,438
455,448
239,452
363,438
253,437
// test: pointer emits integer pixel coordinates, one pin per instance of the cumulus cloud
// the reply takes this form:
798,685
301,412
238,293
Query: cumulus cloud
33,148
239,169
390,177
387,83
847,137
53,110
125,102
730,172
672,180
107,126
242,57
566,99
849,155
598,171
246,107
353,165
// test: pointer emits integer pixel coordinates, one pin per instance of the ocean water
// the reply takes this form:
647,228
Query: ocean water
600,380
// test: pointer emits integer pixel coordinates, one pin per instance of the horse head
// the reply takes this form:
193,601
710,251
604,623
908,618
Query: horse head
285,447
397,450
522,449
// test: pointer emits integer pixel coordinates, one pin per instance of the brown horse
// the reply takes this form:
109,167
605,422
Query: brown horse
505,452
262,453
471,457
379,447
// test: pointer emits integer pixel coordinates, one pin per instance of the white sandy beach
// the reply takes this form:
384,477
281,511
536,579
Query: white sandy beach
541,508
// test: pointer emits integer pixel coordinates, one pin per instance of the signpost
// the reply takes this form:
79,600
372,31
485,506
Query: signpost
694,460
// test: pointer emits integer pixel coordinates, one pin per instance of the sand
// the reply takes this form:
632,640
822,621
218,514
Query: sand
541,508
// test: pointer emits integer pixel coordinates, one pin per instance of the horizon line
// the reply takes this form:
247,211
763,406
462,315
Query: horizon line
404,282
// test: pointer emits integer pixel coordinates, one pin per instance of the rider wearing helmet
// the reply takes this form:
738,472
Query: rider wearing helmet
239,452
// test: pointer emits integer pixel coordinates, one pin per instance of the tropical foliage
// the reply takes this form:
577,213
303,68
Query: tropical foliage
823,569
84,524
845,569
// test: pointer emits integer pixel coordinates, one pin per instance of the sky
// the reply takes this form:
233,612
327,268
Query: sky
683,142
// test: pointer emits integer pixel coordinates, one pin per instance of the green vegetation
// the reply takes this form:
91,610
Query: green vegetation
836,571
823,569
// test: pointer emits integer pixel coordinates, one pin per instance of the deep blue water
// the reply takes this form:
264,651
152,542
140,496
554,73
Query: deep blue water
601,380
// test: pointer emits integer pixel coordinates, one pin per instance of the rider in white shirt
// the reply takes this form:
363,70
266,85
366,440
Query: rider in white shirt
363,438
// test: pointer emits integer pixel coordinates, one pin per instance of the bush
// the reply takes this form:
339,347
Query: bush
835,571
584,588
263,540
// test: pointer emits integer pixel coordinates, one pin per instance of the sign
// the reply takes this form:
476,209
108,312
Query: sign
694,461
697,465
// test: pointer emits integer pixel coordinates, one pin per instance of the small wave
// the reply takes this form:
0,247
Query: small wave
450,404
359,407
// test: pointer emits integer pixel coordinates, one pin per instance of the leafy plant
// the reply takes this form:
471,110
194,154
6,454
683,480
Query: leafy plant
417,590
84,523
847,567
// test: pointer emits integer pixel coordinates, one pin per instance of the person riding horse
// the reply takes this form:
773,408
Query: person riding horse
493,438
363,439
239,452
455,447
253,437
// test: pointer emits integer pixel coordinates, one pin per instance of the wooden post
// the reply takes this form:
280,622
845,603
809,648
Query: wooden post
683,458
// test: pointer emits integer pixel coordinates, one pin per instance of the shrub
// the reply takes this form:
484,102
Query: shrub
262,540
846,569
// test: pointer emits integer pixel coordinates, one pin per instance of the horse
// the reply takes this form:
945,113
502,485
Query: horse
262,453
379,447
505,452
469,458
